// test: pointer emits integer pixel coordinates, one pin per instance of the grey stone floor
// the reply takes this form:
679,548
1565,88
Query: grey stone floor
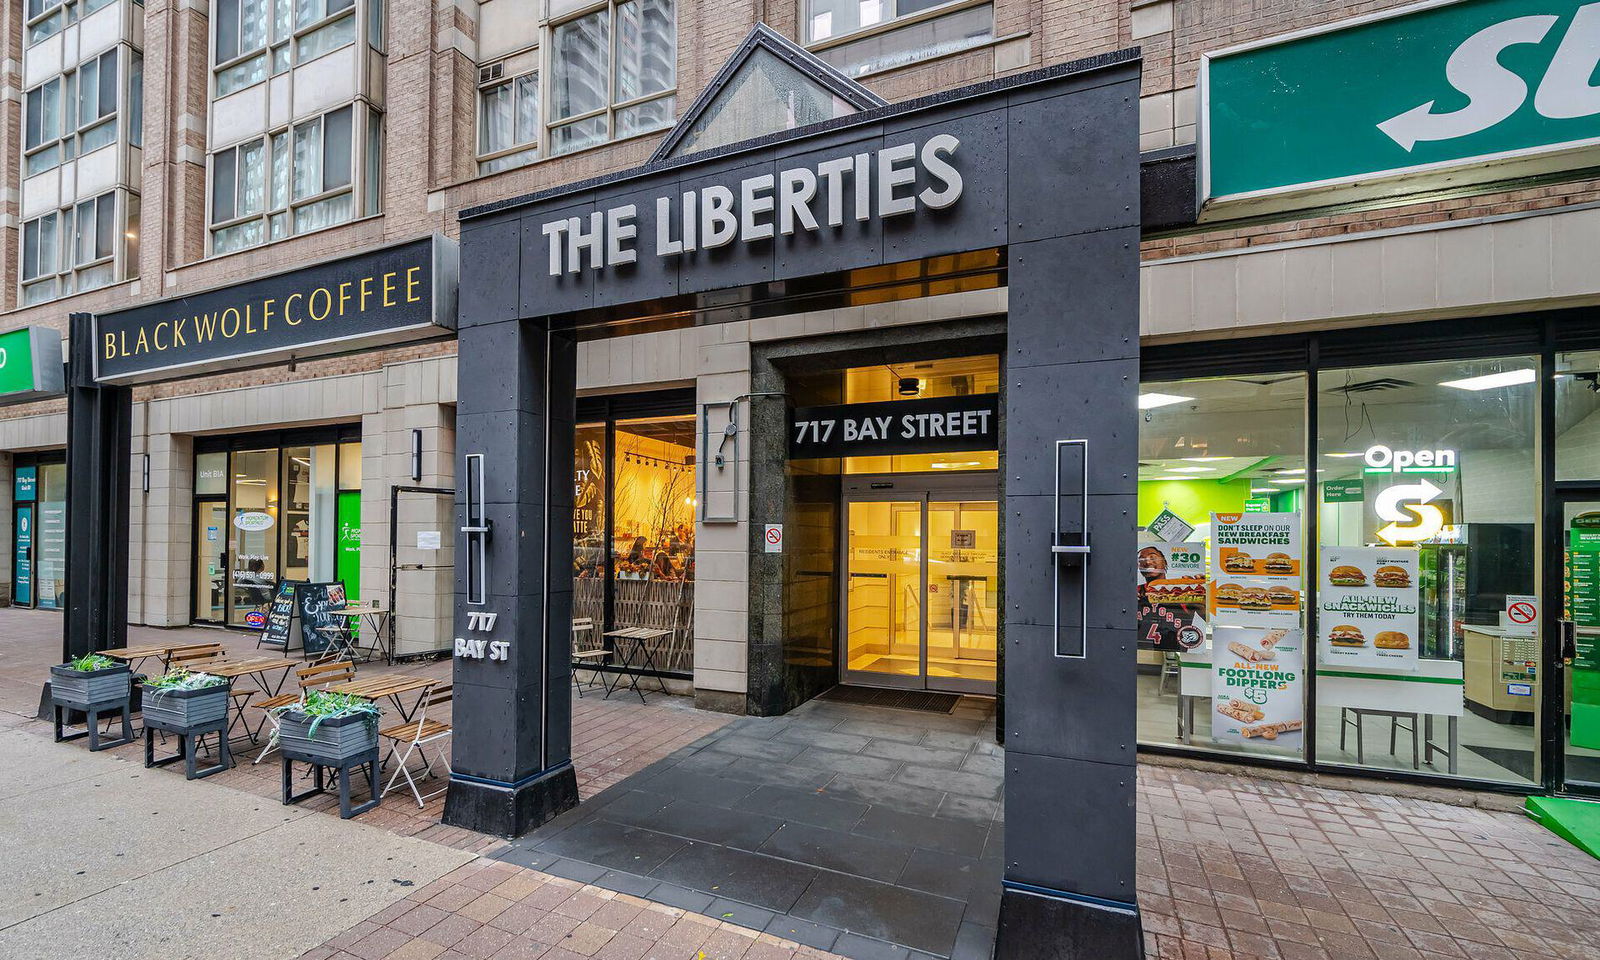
870,832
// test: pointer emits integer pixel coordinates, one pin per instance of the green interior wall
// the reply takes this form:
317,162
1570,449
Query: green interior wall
1193,500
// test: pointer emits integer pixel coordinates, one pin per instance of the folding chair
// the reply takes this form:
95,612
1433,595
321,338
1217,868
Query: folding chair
586,656
321,675
411,736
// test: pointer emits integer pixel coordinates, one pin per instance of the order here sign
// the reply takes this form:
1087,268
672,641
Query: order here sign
931,425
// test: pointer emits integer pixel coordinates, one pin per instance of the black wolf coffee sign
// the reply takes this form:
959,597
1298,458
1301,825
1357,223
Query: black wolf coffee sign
393,295
932,425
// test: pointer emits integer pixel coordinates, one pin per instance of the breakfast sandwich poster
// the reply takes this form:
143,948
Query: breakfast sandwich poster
1258,687
1256,544
1367,607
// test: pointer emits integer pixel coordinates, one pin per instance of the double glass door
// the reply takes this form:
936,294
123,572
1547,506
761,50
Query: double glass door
1578,636
921,588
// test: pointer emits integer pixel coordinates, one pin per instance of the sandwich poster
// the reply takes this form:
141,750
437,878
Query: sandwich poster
1257,544
1257,687
1256,602
1367,607
1172,595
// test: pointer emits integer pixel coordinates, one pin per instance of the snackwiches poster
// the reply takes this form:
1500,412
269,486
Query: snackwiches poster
1367,607
1257,687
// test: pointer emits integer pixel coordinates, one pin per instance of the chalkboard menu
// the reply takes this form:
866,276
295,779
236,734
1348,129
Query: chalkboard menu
280,615
319,623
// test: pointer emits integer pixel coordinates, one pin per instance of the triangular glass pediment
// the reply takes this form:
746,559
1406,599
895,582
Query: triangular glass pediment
770,84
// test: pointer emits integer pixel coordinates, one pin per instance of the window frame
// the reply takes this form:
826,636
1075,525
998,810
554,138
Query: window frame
536,145
882,26
273,45
64,273
364,119
549,123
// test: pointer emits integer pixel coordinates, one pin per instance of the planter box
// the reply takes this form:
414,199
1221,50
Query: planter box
183,709
79,687
335,740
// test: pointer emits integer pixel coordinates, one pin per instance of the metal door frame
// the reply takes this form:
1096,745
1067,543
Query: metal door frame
1551,720
197,504
912,488
32,506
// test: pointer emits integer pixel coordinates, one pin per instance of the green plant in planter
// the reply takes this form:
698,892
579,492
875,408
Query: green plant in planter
90,662
321,705
181,679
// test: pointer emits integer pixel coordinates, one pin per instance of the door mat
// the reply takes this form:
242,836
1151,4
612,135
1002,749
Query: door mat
920,700
1575,821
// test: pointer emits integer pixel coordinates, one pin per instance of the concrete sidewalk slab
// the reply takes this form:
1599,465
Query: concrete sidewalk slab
115,861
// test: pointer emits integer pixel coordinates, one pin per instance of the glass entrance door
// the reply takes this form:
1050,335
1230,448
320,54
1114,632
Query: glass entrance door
921,590
1580,643
211,559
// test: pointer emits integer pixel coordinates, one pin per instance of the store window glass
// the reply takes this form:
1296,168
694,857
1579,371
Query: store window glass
1577,388
589,527
211,474
309,507
50,537
652,501
254,533
1428,497
1220,566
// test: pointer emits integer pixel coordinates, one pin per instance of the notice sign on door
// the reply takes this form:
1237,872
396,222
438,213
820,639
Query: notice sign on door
772,537
1522,616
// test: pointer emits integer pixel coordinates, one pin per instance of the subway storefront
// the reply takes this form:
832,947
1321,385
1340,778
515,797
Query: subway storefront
1376,551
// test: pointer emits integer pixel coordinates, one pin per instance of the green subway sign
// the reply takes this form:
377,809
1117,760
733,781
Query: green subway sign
30,364
1420,99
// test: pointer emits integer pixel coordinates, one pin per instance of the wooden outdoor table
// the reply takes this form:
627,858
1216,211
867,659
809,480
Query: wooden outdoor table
134,656
256,668
390,685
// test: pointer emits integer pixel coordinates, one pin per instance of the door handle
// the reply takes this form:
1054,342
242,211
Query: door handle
1072,550
1569,642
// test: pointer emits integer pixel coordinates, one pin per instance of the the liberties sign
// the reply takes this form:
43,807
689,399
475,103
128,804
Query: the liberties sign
1418,99
857,187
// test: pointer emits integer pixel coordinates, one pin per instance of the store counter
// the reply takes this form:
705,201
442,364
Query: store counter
1502,674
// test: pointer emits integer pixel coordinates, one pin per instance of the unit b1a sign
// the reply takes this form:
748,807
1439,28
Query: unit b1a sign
394,295
933,425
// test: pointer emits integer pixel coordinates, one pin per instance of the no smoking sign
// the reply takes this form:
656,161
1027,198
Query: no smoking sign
1522,615
772,537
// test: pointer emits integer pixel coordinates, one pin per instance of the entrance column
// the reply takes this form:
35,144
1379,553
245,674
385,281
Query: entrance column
99,472
511,767
1071,374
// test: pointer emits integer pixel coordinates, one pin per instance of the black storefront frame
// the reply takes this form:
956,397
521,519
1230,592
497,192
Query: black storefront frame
1542,335
36,460
276,440
605,410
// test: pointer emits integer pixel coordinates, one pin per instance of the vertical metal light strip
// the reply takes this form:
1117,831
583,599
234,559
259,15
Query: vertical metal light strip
477,530
1310,555
1549,758
1058,550
925,532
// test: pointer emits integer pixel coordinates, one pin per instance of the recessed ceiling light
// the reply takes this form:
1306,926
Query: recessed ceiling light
1287,482
1290,471
1490,381
1206,459
1192,469
1262,490
1149,401
1342,456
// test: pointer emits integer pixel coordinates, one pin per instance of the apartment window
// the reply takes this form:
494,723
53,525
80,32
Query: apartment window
613,72
39,248
74,249
45,19
508,123
290,181
256,39
866,36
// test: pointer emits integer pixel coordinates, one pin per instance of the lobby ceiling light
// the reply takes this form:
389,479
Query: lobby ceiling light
1492,381
910,386
1149,401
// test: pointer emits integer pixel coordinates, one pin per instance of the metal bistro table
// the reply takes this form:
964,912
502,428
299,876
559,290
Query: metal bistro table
638,640
256,668
376,619
390,685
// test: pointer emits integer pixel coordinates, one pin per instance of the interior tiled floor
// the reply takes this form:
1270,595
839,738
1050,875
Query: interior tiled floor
865,831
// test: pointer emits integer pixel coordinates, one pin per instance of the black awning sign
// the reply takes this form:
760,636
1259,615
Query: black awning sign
932,425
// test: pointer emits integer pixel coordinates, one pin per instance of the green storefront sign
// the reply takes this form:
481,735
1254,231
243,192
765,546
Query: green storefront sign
30,364
1407,101
1344,491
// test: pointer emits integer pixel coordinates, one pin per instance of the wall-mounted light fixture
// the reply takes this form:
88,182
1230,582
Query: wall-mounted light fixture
416,454
146,473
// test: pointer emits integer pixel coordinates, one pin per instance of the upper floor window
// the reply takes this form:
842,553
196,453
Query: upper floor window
294,180
76,248
257,39
866,36
75,113
508,122
613,72
46,18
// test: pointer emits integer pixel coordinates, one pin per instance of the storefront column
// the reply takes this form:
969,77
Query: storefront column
1072,373
8,533
511,767
99,453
